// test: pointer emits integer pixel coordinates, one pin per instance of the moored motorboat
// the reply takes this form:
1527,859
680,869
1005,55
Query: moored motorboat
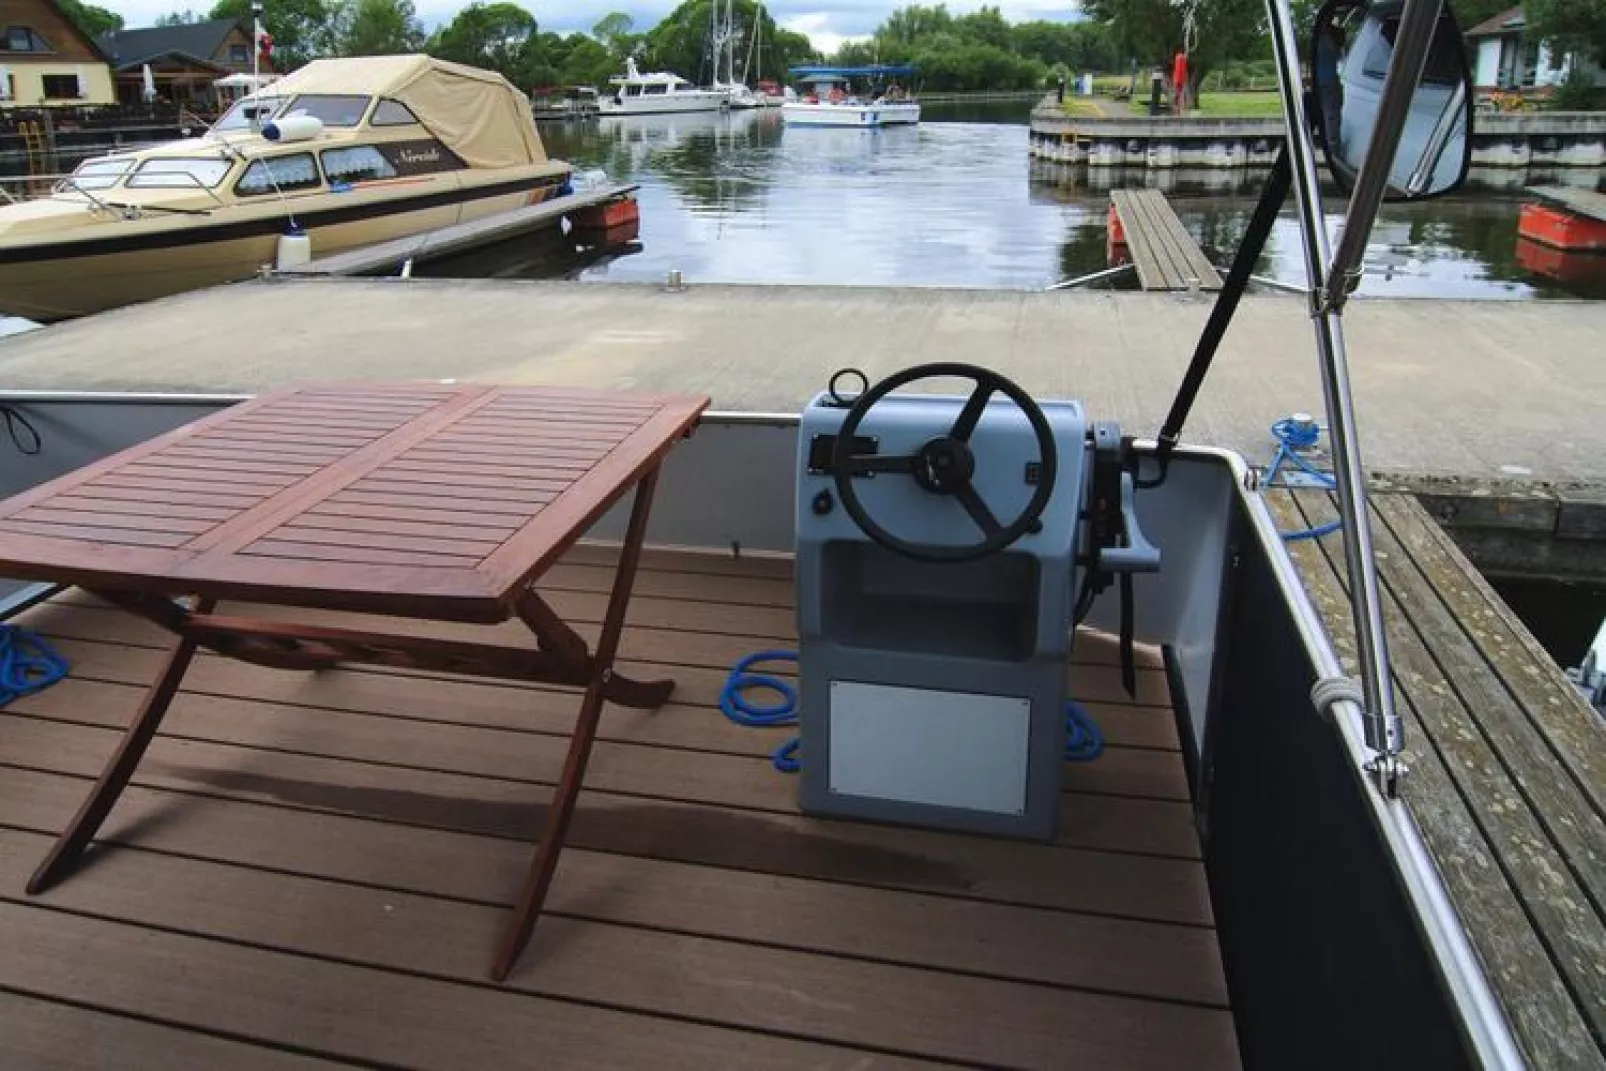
830,99
657,92
346,152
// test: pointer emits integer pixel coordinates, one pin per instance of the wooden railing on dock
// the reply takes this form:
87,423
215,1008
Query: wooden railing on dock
1507,769
1166,256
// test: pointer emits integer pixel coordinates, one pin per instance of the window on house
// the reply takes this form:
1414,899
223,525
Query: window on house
392,113
61,86
24,39
279,174
239,54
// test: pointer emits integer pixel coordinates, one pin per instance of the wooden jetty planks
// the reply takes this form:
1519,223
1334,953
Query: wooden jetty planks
1166,256
1510,832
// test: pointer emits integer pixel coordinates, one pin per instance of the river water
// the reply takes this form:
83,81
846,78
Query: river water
955,201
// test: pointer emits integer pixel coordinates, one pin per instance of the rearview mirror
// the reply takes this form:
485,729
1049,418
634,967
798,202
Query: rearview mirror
1351,45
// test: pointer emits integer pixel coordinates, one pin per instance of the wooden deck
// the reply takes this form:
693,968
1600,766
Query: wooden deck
312,869
1166,256
1507,770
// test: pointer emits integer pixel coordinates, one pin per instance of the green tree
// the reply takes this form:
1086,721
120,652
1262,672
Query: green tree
178,18
497,37
984,26
680,43
299,28
94,21
1077,46
1151,31
613,31
375,28
1575,28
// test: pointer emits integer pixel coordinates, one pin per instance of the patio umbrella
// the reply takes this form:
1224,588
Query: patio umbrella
150,83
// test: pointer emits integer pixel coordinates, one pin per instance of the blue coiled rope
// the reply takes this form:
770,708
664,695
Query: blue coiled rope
1293,438
27,664
1083,740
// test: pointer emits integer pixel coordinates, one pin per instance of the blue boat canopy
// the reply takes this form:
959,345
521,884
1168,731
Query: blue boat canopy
875,71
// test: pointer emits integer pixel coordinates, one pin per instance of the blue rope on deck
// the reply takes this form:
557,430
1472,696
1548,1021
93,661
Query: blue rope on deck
1293,438
27,664
1083,740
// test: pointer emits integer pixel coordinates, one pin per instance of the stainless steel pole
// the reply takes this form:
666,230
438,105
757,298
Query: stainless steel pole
1384,733
1411,45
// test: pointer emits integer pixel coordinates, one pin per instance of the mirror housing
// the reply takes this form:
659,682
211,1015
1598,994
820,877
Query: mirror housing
1352,43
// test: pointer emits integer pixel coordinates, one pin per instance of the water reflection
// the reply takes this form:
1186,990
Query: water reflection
741,198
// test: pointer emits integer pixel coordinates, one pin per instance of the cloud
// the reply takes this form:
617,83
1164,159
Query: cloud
827,22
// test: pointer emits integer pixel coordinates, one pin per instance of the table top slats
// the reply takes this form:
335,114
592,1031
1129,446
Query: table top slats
421,499
358,539
108,507
84,533
426,507
441,526
113,519
289,550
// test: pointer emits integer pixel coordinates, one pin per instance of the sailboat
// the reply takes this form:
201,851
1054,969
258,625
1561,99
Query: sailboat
723,39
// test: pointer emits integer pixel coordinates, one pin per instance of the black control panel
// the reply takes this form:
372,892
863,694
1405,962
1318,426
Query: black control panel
822,447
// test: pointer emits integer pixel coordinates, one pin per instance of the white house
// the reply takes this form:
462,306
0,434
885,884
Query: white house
1509,59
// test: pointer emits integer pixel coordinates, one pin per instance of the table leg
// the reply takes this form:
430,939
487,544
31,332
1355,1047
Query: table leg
533,894
114,778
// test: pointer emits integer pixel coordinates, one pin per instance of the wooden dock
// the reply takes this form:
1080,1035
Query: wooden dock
459,237
1507,770
1166,256
1575,199
309,869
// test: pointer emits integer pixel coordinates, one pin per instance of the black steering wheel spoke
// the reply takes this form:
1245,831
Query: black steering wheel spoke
967,496
970,415
945,465
869,464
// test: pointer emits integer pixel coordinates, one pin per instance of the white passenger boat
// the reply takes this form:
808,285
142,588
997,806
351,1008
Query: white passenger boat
829,97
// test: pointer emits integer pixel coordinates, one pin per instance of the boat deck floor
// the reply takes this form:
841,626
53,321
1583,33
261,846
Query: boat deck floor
312,868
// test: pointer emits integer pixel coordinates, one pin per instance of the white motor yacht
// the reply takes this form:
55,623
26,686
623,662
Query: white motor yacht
657,93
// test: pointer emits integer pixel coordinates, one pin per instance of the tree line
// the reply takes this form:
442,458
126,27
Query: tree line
973,51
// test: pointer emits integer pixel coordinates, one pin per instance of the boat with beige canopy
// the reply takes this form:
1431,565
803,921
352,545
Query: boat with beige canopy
341,153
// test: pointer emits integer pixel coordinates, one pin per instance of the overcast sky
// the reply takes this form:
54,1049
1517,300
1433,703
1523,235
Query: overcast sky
826,22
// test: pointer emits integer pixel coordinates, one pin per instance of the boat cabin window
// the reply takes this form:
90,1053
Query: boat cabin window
331,110
243,114
179,173
358,163
657,89
392,113
632,91
100,174
279,174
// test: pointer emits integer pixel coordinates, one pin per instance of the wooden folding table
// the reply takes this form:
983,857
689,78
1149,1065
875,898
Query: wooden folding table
437,502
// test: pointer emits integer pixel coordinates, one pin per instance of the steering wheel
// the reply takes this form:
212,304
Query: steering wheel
944,465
